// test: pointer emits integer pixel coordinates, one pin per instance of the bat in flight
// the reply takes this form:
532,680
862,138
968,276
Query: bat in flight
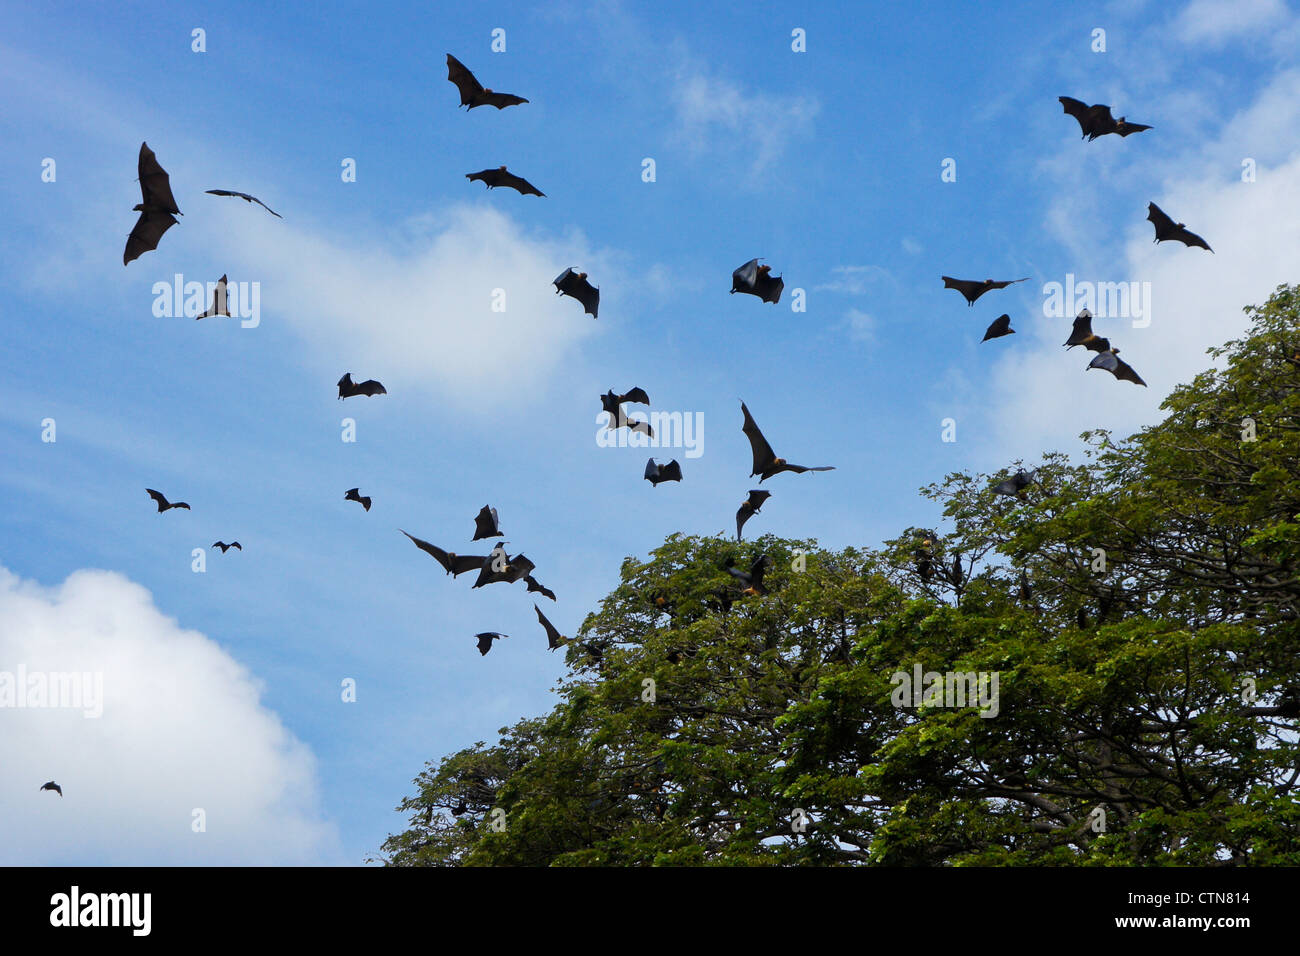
999,327
1111,362
348,388
753,279
499,567
1016,484
354,494
1082,334
226,547
472,92
613,404
246,198
750,507
766,464
485,640
455,564
157,207
554,638
575,284
1167,229
163,503
1097,120
972,289
753,578
219,305
486,524
656,474
500,176
51,785
535,585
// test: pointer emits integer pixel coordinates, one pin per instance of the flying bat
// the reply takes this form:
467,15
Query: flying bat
486,524
1016,484
219,304
472,92
660,473
1167,229
766,464
750,507
554,638
1111,362
535,585
51,785
1000,326
157,207
354,494
753,578
1082,334
499,567
163,503
246,198
348,388
500,176
612,404
226,547
455,564
972,289
575,284
485,640
1097,120
753,279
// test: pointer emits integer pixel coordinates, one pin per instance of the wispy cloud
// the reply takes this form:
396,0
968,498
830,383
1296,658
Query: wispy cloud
1214,23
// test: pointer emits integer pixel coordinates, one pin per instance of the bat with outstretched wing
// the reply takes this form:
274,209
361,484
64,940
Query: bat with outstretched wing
472,92
535,585
157,207
354,494
1082,334
750,507
246,198
575,284
486,638
766,464
487,524
1167,229
999,327
1016,484
492,178
753,279
226,547
455,564
554,638
349,388
972,289
656,474
753,578
163,503
1111,362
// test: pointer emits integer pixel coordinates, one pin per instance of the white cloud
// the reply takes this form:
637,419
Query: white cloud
861,326
1215,22
853,280
182,727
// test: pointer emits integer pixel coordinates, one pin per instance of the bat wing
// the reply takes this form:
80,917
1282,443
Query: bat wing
485,641
1106,360
671,471
609,402
461,563
370,387
589,296
1124,372
485,524
1127,129
1189,238
535,585
459,74
771,289
970,288
518,568
441,556
1156,216
636,396
763,454
523,186
500,100
553,636
743,514
146,235
651,471
155,184
999,327
1082,330
800,469
159,497
745,278
1007,487
489,177
1078,109
1003,285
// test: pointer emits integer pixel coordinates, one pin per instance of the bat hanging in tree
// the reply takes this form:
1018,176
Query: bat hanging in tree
1167,229
487,524
219,304
575,284
455,564
226,547
163,503
500,176
753,279
1111,362
750,507
354,494
157,207
766,464
554,638
1016,484
485,640
348,388
999,327
972,289
246,198
1097,120
472,92
1082,334
656,474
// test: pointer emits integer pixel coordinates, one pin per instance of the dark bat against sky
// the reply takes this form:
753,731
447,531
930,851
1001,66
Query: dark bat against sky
472,92
157,207
766,464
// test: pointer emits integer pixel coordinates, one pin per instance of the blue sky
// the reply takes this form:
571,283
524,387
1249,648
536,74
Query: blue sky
223,688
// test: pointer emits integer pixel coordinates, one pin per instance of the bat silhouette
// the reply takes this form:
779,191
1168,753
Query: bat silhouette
766,464
500,176
486,524
226,547
753,578
554,638
455,564
1167,229
1082,334
750,507
955,575
1097,120
354,494
163,503
246,198
485,640
1000,326
972,289
219,305
1026,592
472,92
157,207
348,388
660,473
575,284
535,585
613,404
1016,484
753,279
51,785
499,567
1111,362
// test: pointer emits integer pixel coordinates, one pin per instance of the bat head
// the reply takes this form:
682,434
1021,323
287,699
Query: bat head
778,461
502,168
764,270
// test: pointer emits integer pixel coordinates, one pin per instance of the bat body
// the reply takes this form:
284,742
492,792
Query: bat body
1016,484
1111,362
753,279
575,284
554,638
1082,334
246,198
972,289
486,524
51,785
1167,229
354,494
492,178
472,92
956,575
499,567
157,207
999,327
348,388
750,507
613,404
226,547
1026,592
753,578
485,640
219,305
163,503
1097,120
655,474
455,564
766,464
535,585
